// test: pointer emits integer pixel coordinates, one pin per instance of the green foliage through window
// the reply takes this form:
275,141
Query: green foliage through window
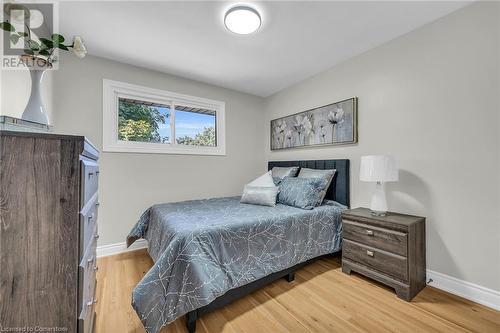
137,122
206,138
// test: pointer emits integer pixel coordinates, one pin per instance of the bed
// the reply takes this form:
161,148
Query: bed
208,253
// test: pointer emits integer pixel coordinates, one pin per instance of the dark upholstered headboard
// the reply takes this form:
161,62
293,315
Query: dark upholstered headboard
339,188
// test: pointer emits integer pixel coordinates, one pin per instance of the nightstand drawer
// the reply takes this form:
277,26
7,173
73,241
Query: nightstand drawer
384,239
382,261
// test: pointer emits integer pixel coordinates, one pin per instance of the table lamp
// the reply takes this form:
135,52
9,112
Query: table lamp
379,169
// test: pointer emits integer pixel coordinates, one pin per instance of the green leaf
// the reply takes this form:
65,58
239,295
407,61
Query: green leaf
47,42
22,34
14,38
44,52
28,51
63,47
58,39
7,26
33,45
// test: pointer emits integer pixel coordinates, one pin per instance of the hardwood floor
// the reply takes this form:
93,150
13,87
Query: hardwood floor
321,299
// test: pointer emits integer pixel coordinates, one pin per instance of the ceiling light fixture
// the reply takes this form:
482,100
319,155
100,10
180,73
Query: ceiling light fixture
242,20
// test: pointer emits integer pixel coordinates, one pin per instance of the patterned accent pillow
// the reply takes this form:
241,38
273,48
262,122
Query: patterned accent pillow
277,180
317,173
282,172
302,193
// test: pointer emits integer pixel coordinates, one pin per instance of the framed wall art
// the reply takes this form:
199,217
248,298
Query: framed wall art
332,124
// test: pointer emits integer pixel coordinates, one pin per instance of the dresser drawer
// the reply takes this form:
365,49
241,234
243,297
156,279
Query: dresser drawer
88,222
384,239
86,323
89,258
90,180
88,293
382,261
87,278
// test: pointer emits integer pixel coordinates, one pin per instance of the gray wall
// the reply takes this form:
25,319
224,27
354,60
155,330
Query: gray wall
431,99
130,183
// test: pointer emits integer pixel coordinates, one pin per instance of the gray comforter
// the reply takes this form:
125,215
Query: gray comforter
203,248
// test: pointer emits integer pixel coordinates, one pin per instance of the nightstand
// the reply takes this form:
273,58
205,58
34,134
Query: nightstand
389,249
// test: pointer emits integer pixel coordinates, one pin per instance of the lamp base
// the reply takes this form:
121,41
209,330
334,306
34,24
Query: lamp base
378,205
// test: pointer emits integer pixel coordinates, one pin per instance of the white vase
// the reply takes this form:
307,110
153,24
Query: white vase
35,111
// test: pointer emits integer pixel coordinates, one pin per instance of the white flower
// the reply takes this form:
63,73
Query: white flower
78,47
302,124
307,125
336,116
298,120
298,125
281,127
277,130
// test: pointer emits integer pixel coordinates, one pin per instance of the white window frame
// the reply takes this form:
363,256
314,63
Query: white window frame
113,90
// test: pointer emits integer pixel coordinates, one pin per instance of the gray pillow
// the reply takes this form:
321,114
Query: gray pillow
316,173
282,172
302,193
259,195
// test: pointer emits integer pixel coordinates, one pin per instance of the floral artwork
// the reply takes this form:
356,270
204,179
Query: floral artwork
331,124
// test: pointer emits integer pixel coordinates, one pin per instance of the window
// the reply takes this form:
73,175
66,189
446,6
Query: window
145,120
141,121
195,126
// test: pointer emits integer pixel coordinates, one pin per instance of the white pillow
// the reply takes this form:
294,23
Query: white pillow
260,191
264,196
266,180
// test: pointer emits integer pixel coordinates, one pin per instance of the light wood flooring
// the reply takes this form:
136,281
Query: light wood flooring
321,299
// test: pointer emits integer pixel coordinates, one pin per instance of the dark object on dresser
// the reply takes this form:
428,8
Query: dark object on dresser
389,249
48,231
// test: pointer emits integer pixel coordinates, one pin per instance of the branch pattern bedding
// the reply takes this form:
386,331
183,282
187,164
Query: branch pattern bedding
203,248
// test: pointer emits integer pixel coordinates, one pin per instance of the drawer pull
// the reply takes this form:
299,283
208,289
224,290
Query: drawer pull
97,203
96,268
369,253
91,302
96,236
91,174
90,260
90,218
369,232
97,173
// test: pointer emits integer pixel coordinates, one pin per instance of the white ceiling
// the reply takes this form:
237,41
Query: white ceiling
297,39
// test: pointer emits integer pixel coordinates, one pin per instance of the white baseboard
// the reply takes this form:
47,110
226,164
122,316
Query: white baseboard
117,248
470,291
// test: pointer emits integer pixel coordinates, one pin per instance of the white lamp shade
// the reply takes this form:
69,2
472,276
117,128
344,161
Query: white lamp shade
378,168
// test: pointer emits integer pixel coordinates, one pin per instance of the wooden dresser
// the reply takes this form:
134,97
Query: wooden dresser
48,231
389,249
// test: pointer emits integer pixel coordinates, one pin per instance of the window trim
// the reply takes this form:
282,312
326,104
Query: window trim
112,90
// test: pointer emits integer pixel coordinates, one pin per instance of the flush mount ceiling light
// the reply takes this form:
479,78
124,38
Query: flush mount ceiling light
242,20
